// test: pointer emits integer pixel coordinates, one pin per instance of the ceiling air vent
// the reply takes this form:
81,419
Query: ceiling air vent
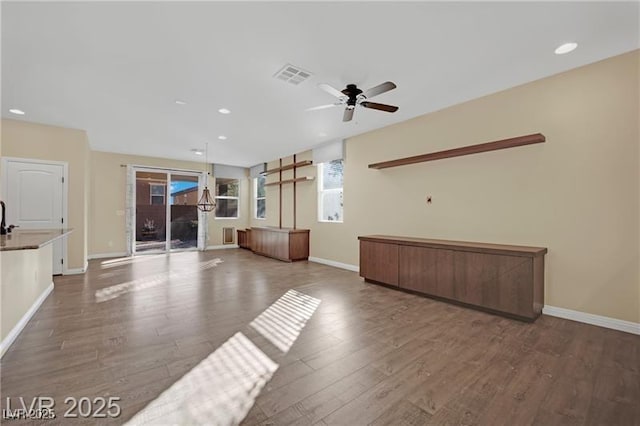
292,74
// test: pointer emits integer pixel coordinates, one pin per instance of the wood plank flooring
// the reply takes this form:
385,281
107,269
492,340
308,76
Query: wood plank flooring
368,355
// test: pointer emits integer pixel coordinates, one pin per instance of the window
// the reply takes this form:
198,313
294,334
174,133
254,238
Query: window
330,183
156,192
259,197
227,198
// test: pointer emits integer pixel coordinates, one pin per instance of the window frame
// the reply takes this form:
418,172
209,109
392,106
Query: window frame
321,192
164,194
256,198
225,197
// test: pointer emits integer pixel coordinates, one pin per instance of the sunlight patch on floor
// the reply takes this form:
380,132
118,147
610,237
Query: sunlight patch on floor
282,322
218,391
139,258
129,260
117,290
222,388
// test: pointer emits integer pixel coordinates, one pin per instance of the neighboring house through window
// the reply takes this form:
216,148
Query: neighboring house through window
330,184
227,198
259,197
157,193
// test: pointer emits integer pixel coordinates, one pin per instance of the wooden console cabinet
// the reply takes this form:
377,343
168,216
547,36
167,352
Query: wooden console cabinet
281,243
503,279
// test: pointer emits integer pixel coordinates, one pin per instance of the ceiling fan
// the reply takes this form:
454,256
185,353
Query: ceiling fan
352,96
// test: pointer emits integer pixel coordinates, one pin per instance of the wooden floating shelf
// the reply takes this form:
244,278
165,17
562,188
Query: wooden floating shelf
282,182
289,167
465,150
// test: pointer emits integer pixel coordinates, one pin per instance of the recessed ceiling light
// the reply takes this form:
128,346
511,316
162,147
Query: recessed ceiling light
179,102
322,134
16,111
224,111
222,137
197,151
566,48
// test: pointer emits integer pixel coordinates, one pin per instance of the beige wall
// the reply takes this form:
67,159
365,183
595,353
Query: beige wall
24,276
577,194
97,186
37,141
108,180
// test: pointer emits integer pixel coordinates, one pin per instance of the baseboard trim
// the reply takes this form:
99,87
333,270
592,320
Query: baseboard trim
17,329
107,255
607,322
335,264
222,247
74,271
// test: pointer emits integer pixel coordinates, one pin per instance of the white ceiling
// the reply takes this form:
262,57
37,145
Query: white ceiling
116,69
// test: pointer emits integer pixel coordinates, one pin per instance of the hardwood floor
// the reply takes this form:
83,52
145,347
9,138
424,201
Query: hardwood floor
368,355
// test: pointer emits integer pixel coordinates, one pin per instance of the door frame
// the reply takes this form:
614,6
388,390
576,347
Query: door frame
4,162
201,223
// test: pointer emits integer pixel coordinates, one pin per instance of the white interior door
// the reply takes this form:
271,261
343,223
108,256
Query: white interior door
33,193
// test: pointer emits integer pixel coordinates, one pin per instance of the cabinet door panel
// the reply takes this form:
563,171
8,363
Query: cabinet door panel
471,273
418,269
445,274
379,262
493,281
279,245
515,287
299,245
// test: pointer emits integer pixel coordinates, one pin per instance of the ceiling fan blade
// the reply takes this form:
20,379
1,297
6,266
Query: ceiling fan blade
380,88
331,90
381,107
323,107
348,114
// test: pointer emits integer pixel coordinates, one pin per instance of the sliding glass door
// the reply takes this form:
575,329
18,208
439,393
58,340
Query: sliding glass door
166,212
151,211
183,202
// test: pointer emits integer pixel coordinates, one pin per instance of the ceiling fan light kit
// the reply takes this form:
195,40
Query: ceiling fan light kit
352,96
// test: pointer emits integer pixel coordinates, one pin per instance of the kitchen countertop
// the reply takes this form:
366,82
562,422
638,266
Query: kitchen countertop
30,239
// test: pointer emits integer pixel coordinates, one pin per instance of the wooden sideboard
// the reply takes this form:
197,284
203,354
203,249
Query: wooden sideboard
503,279
281,243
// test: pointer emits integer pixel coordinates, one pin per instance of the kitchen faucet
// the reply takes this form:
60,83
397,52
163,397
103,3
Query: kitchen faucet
3,230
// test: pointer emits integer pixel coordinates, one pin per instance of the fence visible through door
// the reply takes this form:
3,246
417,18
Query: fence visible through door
165,213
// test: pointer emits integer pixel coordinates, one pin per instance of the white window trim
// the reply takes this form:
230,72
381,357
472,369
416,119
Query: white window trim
255,201
321,191
226,197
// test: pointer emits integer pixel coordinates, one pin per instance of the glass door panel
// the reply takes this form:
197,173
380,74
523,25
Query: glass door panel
183,201
151,212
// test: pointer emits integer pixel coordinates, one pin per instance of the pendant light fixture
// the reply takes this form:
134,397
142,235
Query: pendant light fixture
206,203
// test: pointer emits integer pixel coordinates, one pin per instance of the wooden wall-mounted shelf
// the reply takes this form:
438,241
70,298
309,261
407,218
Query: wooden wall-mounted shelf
282,182
289,167
465,150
